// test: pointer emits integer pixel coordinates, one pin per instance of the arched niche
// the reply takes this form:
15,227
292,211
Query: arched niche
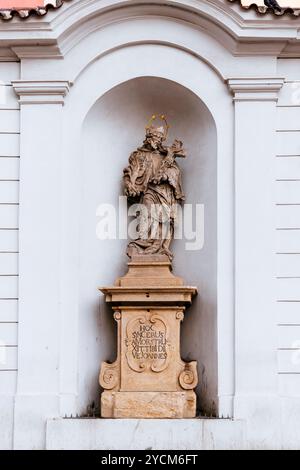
97,82
112,129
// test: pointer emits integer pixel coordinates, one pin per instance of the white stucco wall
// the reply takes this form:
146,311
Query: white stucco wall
287,197
9,199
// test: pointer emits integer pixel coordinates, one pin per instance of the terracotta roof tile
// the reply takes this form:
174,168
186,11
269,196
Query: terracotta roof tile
25,8
262,9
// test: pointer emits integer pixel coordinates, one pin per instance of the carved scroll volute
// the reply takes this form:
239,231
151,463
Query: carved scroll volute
180,315
109,377
188,378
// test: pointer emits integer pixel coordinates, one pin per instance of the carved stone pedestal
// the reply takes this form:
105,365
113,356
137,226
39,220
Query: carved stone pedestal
149,378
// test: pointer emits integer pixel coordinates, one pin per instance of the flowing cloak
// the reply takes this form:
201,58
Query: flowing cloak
144,166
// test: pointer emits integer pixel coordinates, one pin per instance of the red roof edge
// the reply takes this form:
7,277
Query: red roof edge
263,9
8,14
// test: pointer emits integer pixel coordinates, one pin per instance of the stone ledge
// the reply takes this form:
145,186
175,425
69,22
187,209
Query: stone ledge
141,434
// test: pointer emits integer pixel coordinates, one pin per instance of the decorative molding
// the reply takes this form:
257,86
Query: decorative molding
7,55
41,92
260,48
240,35
41,52
255,89
237,34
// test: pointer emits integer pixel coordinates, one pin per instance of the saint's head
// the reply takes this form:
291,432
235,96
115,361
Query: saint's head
154,137
156,134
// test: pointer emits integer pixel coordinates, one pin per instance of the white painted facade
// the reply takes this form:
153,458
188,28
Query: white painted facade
77,87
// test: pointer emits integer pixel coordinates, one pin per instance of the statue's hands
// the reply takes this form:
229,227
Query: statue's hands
130,190
157,179
177,149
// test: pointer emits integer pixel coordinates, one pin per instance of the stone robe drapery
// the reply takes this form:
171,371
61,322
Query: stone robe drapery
155,181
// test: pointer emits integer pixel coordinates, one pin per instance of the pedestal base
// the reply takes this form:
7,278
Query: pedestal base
149,379
148,404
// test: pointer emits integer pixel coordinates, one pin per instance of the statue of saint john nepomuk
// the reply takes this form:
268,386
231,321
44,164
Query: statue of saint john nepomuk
153,181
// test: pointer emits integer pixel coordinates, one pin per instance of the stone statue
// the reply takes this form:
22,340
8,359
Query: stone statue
153,180
149,379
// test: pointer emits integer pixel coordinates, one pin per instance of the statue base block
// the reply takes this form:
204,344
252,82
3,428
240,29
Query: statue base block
148,404
149,379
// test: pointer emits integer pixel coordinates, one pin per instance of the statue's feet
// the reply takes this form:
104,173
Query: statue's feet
167,252
136,248
158,250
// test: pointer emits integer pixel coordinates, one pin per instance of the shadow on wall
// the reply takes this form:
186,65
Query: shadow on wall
113,128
